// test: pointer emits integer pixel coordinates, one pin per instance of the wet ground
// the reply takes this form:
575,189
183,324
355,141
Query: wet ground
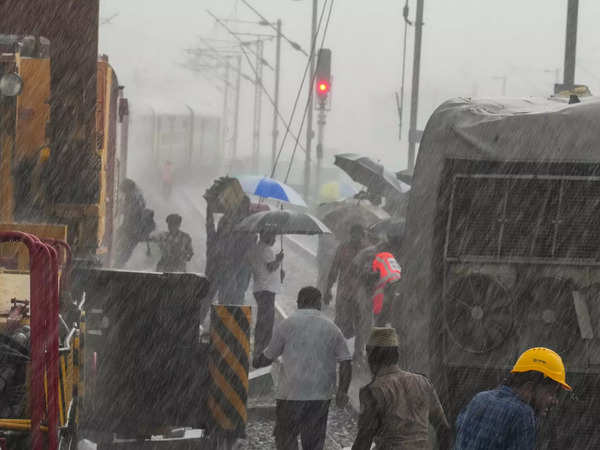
341,426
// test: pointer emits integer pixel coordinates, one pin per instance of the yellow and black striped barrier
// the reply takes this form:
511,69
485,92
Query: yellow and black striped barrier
228,366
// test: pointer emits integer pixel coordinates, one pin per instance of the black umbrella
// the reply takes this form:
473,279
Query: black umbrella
369,173
340,216
282,222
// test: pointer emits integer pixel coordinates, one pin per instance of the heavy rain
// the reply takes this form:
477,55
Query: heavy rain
274,224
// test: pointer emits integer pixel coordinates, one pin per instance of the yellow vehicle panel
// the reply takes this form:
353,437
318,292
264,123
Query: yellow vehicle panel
33,110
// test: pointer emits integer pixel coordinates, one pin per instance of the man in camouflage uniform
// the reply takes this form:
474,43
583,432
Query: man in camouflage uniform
175,247
397,407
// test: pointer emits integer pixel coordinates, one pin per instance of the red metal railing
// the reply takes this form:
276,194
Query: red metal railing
44,335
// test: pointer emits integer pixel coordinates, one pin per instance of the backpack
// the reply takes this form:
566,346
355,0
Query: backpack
147,224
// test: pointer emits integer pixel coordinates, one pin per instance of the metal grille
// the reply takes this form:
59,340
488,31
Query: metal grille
524,217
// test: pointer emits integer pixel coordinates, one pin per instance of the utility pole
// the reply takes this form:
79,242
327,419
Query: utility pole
309,117
571,44
224,121
276,95
257,106
236,116
414,100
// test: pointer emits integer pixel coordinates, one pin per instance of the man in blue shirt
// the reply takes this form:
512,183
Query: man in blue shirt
505,418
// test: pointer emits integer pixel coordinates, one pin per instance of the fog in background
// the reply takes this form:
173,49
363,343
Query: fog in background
467,45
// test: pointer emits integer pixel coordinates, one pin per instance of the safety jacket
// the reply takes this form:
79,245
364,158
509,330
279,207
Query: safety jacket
389,272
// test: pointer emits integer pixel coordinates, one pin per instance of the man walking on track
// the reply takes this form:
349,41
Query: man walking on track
397,407
310,345
505,417
267,283
175,246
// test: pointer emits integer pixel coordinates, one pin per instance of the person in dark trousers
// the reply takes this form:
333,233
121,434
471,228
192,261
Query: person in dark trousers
133,226
227,253
341,272
505,417
310,346
397,407
175,246
267,283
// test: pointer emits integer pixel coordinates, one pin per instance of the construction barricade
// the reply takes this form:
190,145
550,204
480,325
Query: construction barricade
228,366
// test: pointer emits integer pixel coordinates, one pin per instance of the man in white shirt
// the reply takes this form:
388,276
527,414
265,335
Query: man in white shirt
310,346
267,283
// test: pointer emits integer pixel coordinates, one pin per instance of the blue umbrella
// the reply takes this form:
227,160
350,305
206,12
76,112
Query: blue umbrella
269,188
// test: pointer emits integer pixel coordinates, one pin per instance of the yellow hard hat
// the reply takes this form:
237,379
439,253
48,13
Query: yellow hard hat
545,361
44,154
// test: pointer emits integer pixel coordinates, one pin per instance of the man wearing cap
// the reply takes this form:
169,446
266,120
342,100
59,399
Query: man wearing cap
505,417
397,407
310,346
175,246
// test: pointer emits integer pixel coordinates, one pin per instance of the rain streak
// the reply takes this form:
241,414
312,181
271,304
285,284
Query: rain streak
327,225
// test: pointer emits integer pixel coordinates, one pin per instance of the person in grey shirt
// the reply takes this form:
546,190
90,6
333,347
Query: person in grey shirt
310,346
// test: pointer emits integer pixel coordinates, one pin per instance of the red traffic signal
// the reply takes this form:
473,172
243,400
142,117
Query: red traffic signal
322,88
323,73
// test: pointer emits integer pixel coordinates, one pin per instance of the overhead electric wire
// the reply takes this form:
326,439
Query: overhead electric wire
294,45
313,75
286,123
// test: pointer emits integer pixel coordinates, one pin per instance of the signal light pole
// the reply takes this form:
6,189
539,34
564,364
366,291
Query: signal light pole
322,88
321,127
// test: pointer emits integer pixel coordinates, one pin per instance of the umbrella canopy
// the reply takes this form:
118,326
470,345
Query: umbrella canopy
369,173
336,190
270,188
340,216
393,224
282,222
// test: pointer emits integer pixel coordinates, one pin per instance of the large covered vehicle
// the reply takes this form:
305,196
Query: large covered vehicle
503,252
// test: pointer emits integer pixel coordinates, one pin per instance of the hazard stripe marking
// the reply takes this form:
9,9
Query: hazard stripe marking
230,322
233,362
230,394
228,366
218,414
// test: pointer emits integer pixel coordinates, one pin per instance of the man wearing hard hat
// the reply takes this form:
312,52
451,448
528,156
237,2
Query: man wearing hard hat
397,407
505,417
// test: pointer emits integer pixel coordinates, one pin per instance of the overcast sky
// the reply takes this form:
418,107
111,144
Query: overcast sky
467,44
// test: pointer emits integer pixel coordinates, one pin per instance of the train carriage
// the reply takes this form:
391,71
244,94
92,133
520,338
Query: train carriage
503,252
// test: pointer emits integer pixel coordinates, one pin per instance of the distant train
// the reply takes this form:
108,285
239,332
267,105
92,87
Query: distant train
181,136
